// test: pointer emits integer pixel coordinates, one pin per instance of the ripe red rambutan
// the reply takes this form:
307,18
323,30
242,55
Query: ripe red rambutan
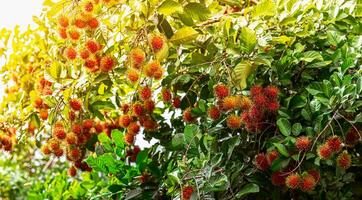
79,23
145,93
303,143
352,137
156,43
59,133
87,123
77,129
187,192
99,127
85,167
72,171
74,34
214,113
58,152
53,144
71,115
71,138
133,128
107,63
187,115
137,57
149,124
272,106
176,102
324,151
137,109
125,108
166,95
308,183
271,156
260,100
261,162
271,92
74,154
344,160
149,106
70,53
293,181
45,150
221,91
129,138
334,143
256,91
63,33
84,54
91,64
132,75
93,46
278,178
256,114
93,23
75,104
315,173
233,121
63,21
43,114
88,6
124,120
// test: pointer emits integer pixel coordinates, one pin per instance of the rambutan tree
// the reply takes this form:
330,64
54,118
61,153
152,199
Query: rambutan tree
167,99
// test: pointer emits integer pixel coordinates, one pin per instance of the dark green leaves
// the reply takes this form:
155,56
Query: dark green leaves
247,189
284,126
197,11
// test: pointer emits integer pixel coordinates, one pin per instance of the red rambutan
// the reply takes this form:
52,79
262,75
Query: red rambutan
261,162
63,33
137,109
166,95
221,91
352,137
156,43
214,113
59,133
72,171
324,151
334,143
107,63
233,121
271,92
303,143
315,173
75,104
129,138
63,21
187,192
293,181
271,156
70,53
145,93
87,124
149,106
187,115
308,183
92,45
93,23
344,160
133,128
176,102
125,120
278,178
84,54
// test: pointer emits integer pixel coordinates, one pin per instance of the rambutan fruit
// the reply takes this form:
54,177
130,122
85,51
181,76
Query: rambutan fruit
77,129
84,54
245,103
45,150
137,57
157,75
129,138
59,133
187,115
271,156
137,109
187,192
278,178
93,46
261,162
125,108
344,160
75,104
38,103
151,68
63,33
149,106
63,21
149,124
324,151
85,167
93,23
53,144
107,63
145,93
74,154
256,91
221,91
176,102
132,75
315,173
256,114
99,127
157,43
87,123
233,121
91,64
334,143
260,101
71,138
70,53
58,152
43,114
166,95
134,153
271,92
213,112
229,103
74,34
124,120
88,6
307,183
352,137
79,23
72,171
133,128
293,181
303,143
272,106
71,115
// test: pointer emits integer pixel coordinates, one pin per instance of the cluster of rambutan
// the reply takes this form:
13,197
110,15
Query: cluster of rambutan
332,146
90,52
42,108
187,192
44,86
264,161
305,182
7,138
168,98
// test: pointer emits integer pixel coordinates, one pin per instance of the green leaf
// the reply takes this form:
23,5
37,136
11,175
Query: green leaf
279,164
247,39
282,149
190,137
105,141
296,129
197,11
247,189
118,138
178,141
184,35
314,88
100,105
242,72
169,7
310,56
284,126
264,8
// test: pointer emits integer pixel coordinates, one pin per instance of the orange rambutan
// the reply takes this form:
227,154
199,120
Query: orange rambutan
129,138
71,138
334,143
91,64
87,123
59,152
132,75
187,115
149,105
137,109
45,150
261,162
74,34
43,114
137,57
125,120
303,143
293,181
133,128
271,156
75,104
63,21
93,23
233,121
145,93
245,103
59,133
307,183
157,75
229,103
53,144
344,160
107,63
151,68
324,151
149,124
77,129
70,53
88,6
213,112
79,23
157,43
84,54
38,103
74,154
221,91
63,33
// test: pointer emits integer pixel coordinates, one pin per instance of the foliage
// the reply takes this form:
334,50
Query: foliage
239,99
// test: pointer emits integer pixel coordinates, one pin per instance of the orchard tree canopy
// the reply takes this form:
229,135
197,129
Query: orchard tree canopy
183,99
